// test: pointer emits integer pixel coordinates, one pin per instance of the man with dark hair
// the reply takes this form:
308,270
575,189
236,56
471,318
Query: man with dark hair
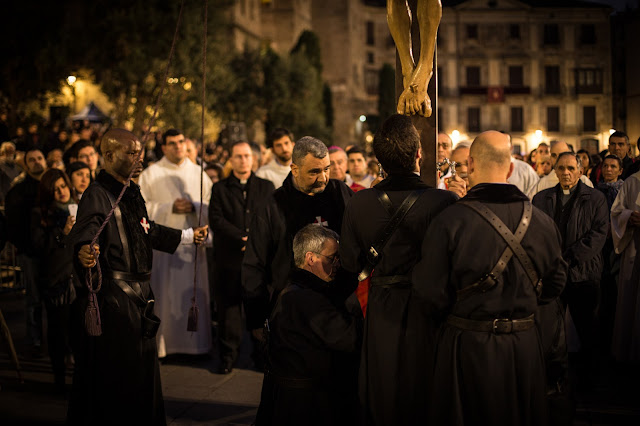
313,341
620,147
172,189
306,196
489,368
395,355
357,166
278,169
234,201
84,151
582,216
21,198
117,377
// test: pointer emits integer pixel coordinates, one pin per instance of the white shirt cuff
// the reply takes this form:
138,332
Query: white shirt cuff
187,236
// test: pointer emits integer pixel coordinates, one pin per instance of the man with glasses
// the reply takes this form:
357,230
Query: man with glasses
313,342
84,151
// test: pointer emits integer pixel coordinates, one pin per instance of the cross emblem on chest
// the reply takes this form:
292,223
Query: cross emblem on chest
145,225
320,221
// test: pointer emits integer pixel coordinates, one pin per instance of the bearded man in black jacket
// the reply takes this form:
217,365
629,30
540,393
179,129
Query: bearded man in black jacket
306,196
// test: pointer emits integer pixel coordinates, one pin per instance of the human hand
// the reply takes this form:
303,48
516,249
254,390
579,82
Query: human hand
182,205
87,259
200,234
71,220
634,219
457,185
244,239
258,334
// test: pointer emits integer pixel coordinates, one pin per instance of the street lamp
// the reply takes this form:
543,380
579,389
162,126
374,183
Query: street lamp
71,80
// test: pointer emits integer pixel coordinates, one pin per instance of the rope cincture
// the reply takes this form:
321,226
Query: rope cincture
93,322
192,318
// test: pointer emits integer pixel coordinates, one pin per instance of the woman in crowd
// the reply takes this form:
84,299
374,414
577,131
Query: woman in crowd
50,225
80,177
586,161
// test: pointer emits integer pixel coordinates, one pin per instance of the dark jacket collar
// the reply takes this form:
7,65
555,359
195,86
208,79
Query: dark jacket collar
402,182
495,193
114,186
306,279
581,190
232,179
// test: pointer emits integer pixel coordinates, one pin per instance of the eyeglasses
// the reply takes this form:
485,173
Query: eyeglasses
333,259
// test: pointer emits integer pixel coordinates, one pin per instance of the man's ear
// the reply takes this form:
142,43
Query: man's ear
308,259
294,169
471,165
511,167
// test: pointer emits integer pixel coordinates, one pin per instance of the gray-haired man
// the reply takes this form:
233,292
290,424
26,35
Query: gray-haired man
306,196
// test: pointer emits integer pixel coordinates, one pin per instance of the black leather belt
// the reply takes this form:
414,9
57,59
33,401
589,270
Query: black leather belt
294,382
390,280
497,326
128,276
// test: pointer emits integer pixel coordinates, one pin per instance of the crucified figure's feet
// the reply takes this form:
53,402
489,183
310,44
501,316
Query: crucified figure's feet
414,98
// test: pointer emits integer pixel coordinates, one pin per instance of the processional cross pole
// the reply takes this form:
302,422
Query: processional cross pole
414,27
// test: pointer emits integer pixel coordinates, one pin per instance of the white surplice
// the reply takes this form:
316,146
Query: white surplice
172,274
625,343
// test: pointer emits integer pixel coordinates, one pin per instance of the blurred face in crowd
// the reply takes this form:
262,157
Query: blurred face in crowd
618,146
611,170
89,156
312,175
192,151
54,159
444,146
61,192
543,167
584,157
338,162
80,180
213,175
36,164
282,149
568,171
241,160
543,150
558,149
325,264
175,149
461,157
357,166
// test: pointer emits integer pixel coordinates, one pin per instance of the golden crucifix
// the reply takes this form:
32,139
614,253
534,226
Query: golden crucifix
414,98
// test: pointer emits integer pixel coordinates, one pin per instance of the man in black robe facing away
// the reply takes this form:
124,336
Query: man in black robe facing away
397,338
313,342
489,365
306,196
117,378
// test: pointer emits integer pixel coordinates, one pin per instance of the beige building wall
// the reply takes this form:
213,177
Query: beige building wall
283,21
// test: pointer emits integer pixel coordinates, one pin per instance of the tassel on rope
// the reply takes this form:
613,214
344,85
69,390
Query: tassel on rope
192,323
92,321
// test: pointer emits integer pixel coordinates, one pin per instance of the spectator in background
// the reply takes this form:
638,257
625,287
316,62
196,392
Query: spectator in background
84,151
281,144
618,146
8,162
357,166
214,171
586,161
257,156
544,165
80,177
338,165
54,159
51,223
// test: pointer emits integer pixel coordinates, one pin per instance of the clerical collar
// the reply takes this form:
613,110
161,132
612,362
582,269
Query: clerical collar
569,191
243,181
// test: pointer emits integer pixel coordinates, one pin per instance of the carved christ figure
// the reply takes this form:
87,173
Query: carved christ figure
414,98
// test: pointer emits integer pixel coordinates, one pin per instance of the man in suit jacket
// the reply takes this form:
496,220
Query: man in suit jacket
233,201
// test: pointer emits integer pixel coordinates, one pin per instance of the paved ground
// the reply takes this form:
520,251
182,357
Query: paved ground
196,395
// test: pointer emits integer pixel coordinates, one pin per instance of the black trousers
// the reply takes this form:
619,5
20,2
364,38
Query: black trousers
582,298
58,337
228,294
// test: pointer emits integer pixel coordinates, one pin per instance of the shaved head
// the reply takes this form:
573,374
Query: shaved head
490,158
115,139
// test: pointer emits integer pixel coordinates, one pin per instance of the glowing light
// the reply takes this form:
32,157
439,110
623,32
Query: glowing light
187,85
71,80
612,131
363,118
538,134
455,137
369,138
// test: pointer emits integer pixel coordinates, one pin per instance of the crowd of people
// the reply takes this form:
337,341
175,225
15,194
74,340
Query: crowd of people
361,288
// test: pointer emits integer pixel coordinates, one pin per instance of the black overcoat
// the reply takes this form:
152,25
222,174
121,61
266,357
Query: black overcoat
116,377
230,211
398,339
313,336
481,377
